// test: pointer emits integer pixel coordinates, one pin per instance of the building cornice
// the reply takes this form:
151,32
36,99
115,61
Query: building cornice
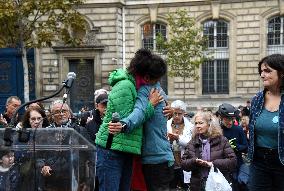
119,3
148,2
79,48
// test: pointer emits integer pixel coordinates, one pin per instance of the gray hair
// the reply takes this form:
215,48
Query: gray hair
178,104
59,101
9,99
99,92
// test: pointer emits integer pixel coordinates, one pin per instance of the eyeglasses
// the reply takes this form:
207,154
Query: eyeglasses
58,112
34,119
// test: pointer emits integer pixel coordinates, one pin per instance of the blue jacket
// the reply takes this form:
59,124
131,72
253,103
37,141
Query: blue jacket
256,108
155,146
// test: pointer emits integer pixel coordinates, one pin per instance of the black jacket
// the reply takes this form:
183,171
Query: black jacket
94,125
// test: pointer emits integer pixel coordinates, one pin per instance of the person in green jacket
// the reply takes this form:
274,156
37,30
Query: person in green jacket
157,156
114,164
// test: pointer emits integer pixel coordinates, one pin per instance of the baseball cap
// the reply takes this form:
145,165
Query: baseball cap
102,98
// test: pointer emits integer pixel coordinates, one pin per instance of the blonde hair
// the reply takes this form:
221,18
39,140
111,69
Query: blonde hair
214,129
246,120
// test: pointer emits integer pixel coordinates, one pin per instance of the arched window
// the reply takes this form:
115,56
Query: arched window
275,37
149,34
217,33
215,72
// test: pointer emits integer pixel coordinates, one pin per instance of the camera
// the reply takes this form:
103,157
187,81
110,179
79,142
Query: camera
84,114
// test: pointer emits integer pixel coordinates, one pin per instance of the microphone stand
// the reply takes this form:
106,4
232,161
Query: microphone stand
23,133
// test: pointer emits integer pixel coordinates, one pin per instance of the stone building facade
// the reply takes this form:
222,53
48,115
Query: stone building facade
241,33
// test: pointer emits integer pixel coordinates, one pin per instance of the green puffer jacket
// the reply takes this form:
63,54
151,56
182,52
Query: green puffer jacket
122,100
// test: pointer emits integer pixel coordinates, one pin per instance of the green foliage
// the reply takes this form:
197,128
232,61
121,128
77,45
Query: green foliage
185,47
39,23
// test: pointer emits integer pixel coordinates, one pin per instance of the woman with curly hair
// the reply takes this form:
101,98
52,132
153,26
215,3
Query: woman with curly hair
207,147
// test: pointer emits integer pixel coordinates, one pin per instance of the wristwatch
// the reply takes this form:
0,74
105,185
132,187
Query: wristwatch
124,127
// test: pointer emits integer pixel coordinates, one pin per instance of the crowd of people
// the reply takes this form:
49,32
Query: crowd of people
154,145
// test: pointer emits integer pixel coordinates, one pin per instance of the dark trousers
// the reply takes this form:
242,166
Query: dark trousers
178,180
266,171
158,176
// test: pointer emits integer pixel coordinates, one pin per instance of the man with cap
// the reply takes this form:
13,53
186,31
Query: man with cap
234,133
93,125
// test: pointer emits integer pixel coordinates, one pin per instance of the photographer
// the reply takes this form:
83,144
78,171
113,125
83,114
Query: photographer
93,125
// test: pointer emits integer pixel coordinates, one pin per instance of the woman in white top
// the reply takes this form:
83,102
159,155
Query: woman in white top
179,133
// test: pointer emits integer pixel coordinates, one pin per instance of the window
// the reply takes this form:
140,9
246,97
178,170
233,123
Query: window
149,34
275,31
215,77
215,72
216,32
275,37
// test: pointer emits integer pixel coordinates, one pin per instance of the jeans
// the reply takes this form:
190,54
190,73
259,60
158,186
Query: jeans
158,176
266,171
114,170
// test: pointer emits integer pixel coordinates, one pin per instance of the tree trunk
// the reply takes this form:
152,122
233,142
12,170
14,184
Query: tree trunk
184,89
26,74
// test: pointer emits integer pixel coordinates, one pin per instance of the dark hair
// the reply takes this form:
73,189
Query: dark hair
4,151
275,61
38,104
26,117
146,63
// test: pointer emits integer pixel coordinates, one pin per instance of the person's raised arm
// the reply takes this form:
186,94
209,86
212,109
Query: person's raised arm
143,110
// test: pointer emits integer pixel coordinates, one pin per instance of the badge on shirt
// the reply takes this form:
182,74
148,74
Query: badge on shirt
275,119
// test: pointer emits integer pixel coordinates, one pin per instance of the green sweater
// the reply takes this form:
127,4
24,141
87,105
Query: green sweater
122,100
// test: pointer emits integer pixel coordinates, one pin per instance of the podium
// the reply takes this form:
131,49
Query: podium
70,156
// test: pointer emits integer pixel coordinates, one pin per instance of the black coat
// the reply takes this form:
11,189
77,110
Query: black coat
94,125
221,154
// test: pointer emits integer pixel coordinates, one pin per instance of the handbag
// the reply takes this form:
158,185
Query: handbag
216,181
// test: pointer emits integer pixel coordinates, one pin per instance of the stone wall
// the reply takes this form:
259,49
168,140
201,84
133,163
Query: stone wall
247,37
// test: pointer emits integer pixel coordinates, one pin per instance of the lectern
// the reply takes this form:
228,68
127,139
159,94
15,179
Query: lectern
70,156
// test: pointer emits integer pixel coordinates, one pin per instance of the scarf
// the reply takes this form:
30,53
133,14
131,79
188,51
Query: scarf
139,81
205,154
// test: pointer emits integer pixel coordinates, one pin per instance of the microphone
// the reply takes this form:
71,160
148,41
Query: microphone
115,119
64,97
71,76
